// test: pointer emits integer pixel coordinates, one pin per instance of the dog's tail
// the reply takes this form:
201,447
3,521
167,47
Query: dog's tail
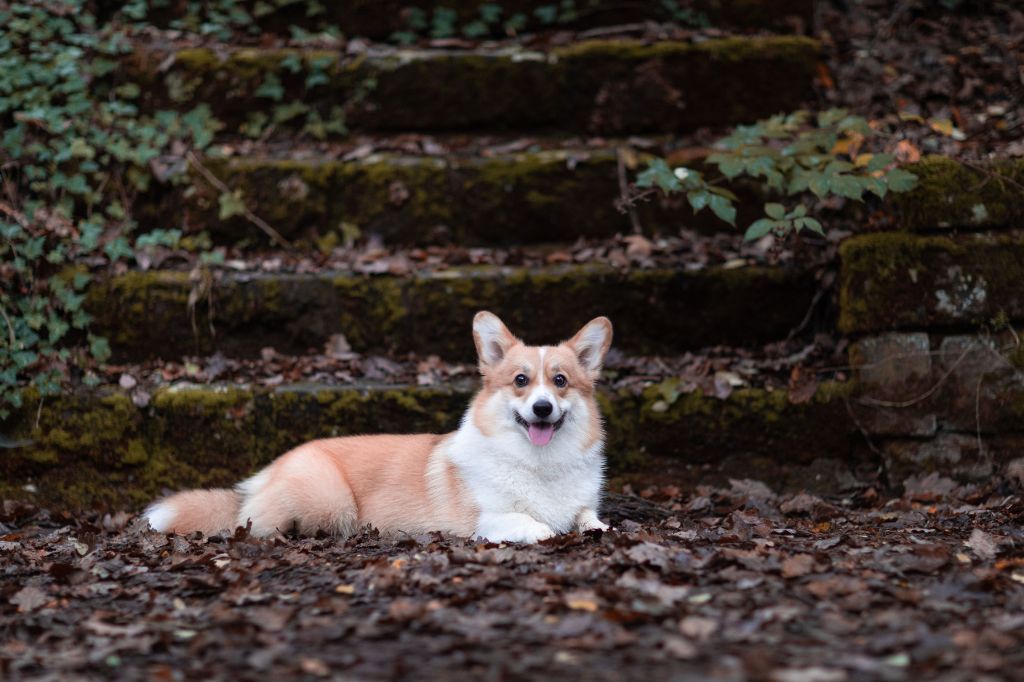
209,511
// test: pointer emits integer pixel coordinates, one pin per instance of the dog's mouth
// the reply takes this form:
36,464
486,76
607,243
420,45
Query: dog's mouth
540,433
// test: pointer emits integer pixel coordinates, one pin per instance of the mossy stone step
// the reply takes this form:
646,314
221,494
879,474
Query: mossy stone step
546,196
549,196
379,19
606,87
145,314
897,280
99,448
953,195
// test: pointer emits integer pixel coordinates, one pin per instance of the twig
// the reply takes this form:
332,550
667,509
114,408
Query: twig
624,193
991,175
977,413
10,328
249,215
1013,332
14,214
810,311
860,427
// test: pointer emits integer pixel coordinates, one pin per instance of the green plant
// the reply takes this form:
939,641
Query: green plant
74,153
792,156
220,19
444,22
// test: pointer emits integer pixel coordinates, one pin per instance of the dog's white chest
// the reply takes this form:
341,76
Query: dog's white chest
552,488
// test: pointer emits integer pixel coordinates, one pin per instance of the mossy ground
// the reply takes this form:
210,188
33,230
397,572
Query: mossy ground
655,311
110,452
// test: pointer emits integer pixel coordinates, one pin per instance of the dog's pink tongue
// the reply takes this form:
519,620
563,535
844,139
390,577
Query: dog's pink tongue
540,434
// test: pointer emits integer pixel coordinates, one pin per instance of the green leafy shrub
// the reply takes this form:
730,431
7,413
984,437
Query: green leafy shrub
491,19
74,153
792,156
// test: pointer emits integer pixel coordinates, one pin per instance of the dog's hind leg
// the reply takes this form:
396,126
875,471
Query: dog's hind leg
306,489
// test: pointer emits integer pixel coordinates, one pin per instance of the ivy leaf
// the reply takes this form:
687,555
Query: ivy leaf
490,12
846,186
698,199
776,211
231,204
876,186
819,184
271,88
99,348
879,162
899,180
475,29
117,249
809,224
548,14
658,174
723,208
758,229
730,167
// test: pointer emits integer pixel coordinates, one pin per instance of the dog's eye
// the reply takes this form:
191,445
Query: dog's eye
521,380
561,381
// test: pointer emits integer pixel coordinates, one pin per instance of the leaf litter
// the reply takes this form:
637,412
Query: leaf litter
709,584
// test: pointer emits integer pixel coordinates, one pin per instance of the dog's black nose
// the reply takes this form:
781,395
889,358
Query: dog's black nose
542,408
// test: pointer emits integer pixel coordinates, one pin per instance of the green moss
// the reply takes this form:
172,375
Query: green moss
835,391
500,90
124,305
952,195
197,59
904,281
729,49
370,309
885,254
135,453
103,425
205,399
431,313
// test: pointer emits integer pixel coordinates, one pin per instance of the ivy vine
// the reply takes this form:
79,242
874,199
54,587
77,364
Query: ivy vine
74,153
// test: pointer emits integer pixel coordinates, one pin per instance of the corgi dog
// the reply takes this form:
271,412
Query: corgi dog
526,463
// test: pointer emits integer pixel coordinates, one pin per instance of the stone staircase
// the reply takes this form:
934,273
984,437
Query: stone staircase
916,293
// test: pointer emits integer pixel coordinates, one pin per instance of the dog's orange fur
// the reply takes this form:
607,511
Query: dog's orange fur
339,485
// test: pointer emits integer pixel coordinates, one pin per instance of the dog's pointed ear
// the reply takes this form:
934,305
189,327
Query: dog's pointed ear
492,338
592,342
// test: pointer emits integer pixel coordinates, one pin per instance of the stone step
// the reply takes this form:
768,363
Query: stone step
668,311
952,195
557,195
508,199
917,384
598,86
380,19
897,281
98,447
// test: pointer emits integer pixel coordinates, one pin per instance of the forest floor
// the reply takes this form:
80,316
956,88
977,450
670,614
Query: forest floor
732,584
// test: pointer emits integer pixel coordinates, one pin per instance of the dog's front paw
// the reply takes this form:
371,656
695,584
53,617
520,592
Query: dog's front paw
514,528
534,532
587,520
